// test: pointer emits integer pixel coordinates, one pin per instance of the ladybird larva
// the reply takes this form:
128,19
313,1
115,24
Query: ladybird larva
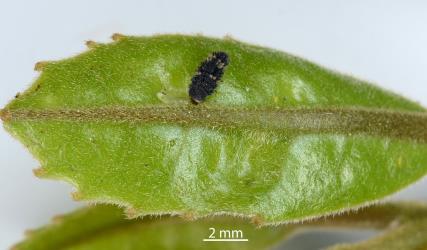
208,74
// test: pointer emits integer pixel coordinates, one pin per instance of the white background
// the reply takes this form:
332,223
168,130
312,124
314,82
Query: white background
381,41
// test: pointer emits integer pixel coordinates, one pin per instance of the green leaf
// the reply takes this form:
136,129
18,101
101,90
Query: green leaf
409,236
403,226
281,139
104,227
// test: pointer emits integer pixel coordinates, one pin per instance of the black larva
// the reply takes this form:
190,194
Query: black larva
209,73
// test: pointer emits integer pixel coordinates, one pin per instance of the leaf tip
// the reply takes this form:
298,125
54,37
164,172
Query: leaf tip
77,196
257,220
91,44
117,37
40,172
131,213
57,219
15,247
4,115
29,232
188,216
228,37
40,66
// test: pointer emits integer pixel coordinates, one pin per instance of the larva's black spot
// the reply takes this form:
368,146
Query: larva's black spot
206,79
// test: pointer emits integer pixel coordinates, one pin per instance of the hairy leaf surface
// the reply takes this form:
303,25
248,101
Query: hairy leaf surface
281,139
104,227
410,236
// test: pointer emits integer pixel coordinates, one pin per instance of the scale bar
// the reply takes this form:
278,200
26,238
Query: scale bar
225,240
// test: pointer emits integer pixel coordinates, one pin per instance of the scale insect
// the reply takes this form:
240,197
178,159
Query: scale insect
208,74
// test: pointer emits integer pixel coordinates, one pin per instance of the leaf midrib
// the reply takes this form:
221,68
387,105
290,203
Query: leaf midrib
348,121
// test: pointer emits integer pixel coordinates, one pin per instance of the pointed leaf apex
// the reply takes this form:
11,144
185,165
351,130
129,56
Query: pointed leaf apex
40,172
228,36
4,115
91,44
257,220
131,213
188,216
29,232
40,66
77,196
58,219
117,36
